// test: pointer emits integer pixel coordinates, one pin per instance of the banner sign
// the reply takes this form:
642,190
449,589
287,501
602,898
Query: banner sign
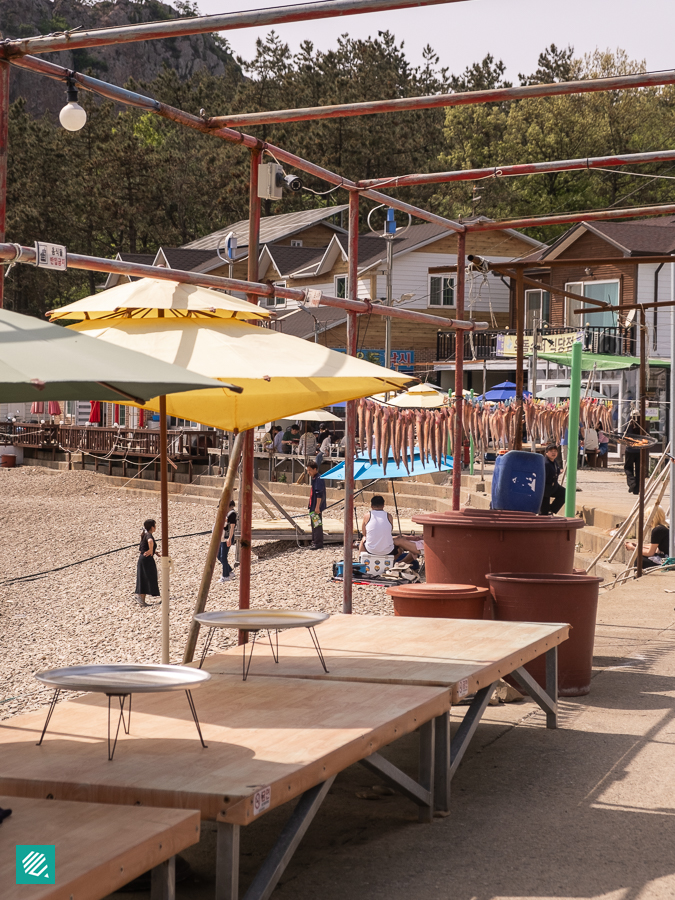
548,343
50,256
401,360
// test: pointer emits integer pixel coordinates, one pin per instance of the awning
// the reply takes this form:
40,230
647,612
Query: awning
600,362
367,471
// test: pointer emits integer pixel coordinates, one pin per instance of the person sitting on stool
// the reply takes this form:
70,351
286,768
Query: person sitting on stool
554,493
378,534
659,546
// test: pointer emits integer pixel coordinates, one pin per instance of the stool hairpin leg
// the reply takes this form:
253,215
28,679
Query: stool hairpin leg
207,644
244,665
120,721
49,714
275,655
193,710
317,647
126,724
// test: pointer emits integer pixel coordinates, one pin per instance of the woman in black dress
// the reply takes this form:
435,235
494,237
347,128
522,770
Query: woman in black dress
146,569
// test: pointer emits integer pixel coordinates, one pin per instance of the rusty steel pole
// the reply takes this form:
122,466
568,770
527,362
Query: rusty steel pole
247,465
165,562
459,374
520,355
644,454
350,418
436,101
4,122
636,212
255,18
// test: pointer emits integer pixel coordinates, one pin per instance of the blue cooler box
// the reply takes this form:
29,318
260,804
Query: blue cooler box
518,481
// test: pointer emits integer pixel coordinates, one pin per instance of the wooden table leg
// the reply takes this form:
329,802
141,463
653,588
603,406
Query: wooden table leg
163,880
227,862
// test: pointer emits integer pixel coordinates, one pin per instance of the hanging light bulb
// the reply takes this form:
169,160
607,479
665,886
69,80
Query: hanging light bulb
72,116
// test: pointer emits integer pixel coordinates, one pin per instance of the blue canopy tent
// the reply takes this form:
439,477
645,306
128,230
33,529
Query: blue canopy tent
504,391
372,472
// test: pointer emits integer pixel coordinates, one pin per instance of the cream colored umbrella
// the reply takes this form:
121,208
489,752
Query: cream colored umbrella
420,396
281,375
152,298
315,415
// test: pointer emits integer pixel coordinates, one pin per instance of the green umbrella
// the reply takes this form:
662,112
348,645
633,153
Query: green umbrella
41,361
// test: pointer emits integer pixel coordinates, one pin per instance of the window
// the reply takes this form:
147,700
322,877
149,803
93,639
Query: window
607,291
341,286
275,301
537,308
441,290
296,243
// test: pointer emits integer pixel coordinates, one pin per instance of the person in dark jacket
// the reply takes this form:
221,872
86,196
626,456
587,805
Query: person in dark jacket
146,568
316,505
631,460
554,493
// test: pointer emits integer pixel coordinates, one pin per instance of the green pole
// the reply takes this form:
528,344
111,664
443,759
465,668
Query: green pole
573,432
471,449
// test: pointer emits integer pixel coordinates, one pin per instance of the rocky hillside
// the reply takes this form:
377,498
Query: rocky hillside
142,61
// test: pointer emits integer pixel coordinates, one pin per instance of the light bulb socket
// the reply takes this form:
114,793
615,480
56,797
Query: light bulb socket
71,90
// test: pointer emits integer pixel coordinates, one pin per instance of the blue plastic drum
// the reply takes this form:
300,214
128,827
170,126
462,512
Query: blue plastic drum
518,481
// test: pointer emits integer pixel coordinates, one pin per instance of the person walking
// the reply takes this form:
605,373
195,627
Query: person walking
146,568
316,505
226,543
554,493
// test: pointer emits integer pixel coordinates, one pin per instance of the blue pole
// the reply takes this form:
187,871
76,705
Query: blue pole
573,432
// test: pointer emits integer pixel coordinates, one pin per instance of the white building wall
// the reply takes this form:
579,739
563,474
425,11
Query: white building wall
659,347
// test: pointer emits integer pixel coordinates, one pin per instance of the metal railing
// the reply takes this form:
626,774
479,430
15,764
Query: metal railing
482,345
108,441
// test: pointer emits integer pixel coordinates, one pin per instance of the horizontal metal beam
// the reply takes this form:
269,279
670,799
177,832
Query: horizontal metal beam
130,98
436,101
539,168
566,263
18,254
256,18
569,218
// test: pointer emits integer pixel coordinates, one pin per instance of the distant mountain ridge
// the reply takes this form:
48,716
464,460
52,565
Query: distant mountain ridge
143,60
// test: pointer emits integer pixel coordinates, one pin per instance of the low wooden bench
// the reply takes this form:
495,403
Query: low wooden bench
98,847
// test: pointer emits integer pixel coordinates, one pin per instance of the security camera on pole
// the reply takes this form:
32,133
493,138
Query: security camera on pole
388,234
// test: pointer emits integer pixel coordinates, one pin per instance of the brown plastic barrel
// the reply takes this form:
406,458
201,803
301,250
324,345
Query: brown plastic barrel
523,597
464,547
439,601
7,461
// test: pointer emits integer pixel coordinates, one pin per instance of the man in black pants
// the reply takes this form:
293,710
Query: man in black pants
631,460
554,493
316,505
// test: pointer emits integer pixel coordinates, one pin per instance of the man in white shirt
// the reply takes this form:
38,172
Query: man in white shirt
378,533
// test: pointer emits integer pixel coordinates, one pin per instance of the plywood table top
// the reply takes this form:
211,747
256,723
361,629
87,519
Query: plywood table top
285,735
461,654
99,848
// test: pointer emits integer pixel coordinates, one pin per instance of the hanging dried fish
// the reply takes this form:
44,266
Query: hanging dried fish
368,428
377,432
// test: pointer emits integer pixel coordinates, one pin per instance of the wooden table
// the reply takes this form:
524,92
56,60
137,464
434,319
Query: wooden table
99,848
464,655
269,740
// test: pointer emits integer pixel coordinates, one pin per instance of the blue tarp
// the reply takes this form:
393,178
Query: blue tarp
366,471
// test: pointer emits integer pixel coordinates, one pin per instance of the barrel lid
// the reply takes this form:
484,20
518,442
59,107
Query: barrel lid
546,578
495,518
437,591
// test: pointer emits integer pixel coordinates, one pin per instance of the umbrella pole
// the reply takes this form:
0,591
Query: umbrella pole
214,545
459,373
245,527
4,120
350,419
165,562
520,340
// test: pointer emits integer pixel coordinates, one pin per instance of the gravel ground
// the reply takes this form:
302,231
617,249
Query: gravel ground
87,613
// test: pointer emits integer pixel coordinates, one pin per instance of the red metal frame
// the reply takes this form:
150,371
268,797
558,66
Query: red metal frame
4,122
436,101
459,376
350,419
257,18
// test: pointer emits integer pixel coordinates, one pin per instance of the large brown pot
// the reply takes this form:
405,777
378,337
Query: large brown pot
567,598
439,601
463,547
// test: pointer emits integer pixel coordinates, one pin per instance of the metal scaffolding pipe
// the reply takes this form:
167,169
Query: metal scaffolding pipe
350,419
567,218
436,101
539,168
130,98
458,449
8,253
255,18
4,124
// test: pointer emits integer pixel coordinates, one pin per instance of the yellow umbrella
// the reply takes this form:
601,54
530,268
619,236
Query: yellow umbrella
281,375
150,298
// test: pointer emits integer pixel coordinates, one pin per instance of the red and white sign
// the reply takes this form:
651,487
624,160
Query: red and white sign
262,799
462,688
51,256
